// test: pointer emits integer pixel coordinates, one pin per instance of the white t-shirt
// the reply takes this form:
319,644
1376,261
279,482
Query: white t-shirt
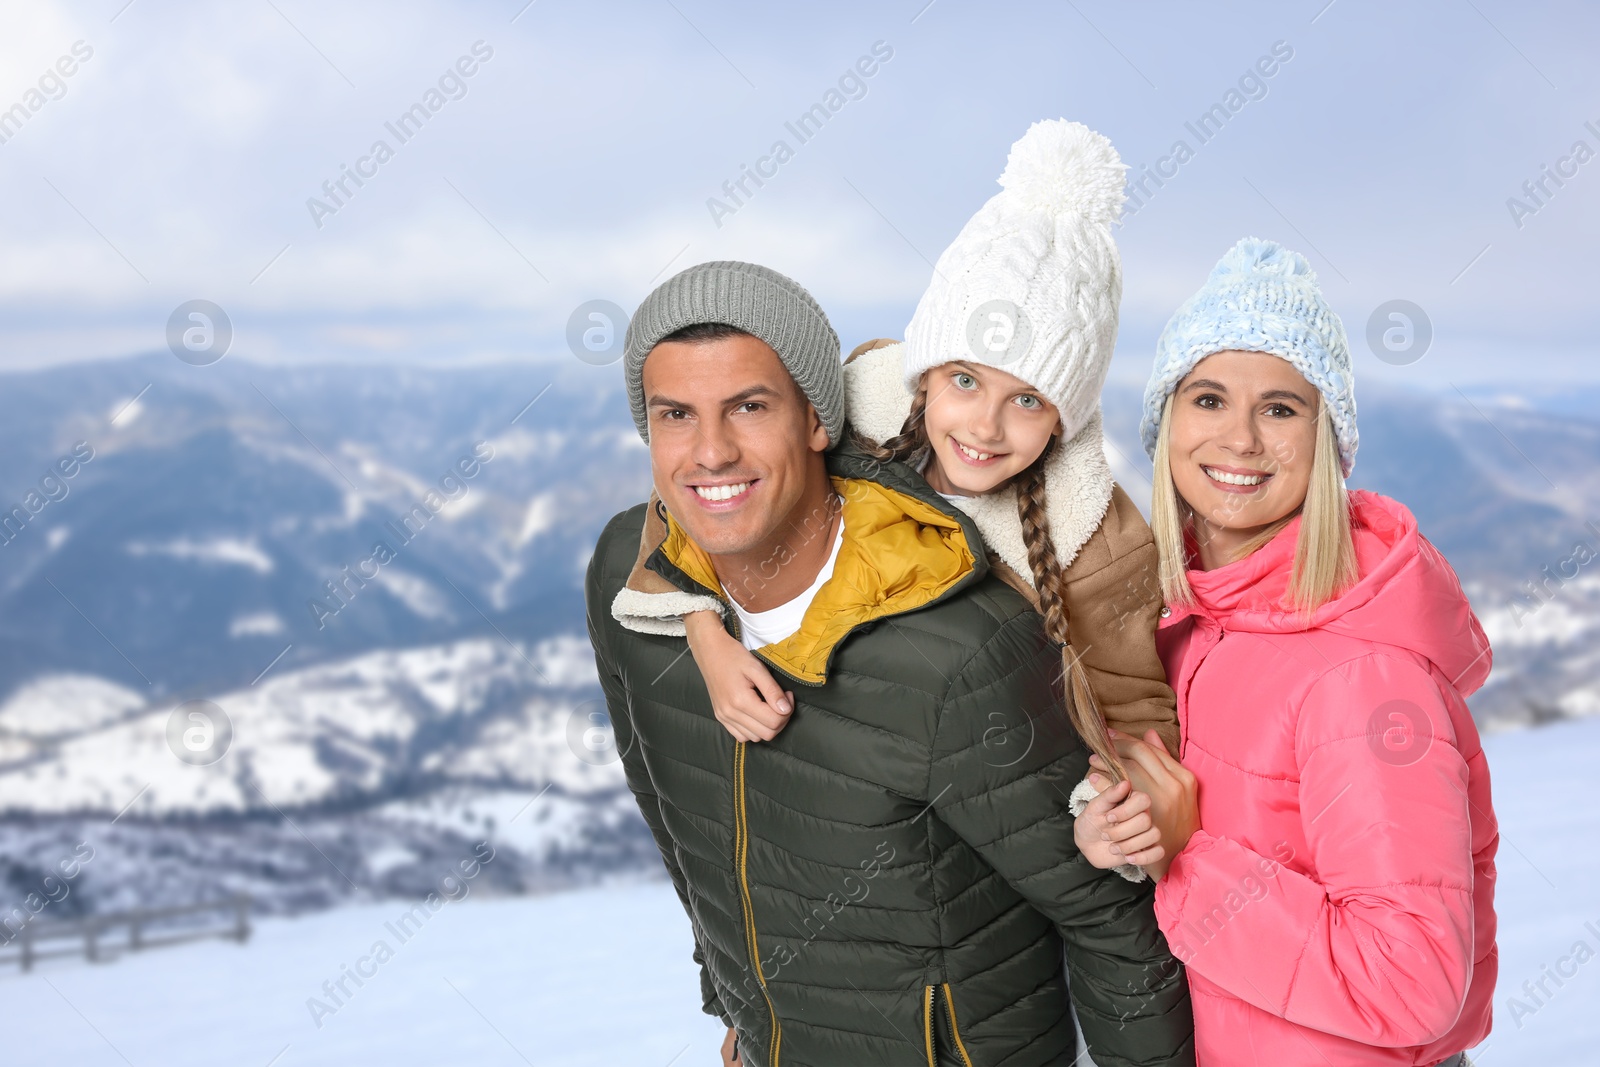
758,628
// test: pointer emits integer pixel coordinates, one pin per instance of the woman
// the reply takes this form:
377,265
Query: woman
1325,851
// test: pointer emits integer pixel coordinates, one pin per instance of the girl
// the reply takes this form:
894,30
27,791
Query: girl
1325,851
994,396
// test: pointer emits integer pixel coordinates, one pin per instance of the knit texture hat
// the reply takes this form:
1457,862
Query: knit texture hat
1032,282
759,301
1260,297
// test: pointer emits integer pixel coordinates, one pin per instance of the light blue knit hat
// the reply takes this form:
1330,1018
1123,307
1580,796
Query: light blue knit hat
1260,297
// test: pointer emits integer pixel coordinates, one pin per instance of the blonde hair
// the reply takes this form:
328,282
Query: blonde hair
1324,553
911,445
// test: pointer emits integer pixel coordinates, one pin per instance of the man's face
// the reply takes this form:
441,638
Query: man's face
732,440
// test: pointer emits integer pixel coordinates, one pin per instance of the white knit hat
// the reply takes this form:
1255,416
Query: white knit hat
1032,283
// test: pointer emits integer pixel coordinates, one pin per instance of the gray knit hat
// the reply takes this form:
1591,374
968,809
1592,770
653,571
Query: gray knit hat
759,301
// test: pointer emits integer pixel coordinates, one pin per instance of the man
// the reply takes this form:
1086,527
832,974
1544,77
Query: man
892,879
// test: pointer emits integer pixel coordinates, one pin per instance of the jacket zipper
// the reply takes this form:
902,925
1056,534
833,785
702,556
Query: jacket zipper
741,845
955,1030
741,837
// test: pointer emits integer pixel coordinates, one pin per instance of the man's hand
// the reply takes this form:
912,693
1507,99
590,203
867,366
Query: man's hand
744,697
730,1049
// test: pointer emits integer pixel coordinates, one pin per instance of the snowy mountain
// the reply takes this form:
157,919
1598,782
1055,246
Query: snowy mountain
336,736
366,582
227,513
387,761
372,576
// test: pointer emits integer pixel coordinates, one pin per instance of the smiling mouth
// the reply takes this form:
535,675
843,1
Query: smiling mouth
1232,478
973,454
717,494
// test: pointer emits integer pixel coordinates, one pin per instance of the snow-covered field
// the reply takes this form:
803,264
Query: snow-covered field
1548,897
594,979
603,977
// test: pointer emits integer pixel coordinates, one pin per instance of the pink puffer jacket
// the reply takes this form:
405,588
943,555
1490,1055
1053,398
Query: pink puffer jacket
1337,908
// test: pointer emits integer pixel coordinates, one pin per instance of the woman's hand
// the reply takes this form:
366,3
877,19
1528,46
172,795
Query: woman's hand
1174,803
744,697
730,1048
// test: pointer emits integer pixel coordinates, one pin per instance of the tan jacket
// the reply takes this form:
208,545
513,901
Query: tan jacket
1113,598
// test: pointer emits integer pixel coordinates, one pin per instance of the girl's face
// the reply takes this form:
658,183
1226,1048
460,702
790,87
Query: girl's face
1241,440
985,427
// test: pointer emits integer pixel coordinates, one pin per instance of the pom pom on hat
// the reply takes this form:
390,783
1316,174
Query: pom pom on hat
1062,167
1252,255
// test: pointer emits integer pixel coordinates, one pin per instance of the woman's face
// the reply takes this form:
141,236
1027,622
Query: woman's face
1241,439
985,427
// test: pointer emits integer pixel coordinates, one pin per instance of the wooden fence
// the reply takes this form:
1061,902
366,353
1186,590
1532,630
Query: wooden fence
101,938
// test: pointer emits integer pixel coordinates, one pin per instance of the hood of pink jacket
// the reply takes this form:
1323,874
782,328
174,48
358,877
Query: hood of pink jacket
1408,595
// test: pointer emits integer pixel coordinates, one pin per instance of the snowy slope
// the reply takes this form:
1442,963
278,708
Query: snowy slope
595,979
603,977
1548,896
343,781
336,731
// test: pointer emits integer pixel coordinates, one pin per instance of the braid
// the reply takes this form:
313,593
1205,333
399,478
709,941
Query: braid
1082,709
1041,550
910,445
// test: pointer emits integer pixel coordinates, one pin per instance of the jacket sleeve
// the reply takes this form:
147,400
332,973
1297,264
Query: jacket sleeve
647,603
1371,932
1112,611
597,598
1004,763
659,613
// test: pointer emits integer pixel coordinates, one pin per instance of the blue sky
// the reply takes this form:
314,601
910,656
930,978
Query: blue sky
176,162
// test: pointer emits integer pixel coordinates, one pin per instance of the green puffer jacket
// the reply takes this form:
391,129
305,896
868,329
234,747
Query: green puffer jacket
892,879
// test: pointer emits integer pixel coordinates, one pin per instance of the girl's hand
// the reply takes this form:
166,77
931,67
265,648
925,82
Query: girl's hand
1173,793
744,697
1106,829
1116,827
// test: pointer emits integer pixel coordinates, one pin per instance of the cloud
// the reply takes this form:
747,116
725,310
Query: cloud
578,162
